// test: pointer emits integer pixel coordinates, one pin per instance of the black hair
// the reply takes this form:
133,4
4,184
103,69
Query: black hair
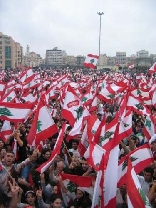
75,141
54,197
149,170
45,150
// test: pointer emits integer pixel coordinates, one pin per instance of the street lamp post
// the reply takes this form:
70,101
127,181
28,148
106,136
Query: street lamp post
100,14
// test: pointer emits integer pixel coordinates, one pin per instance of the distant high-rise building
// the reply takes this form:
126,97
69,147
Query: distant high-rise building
11,52
54,57
142,54
121,58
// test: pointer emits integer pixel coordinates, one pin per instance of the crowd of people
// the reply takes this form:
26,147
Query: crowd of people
22,185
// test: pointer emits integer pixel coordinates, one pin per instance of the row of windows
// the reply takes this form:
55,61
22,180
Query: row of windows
8,52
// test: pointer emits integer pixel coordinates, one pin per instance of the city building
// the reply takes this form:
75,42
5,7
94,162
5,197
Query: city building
103,59
121,58
55,56
153,58
70,60
142,54
11,52
31,59
80,60
111,61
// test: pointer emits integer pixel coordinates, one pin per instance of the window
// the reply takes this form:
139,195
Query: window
7,42
8,63
8,52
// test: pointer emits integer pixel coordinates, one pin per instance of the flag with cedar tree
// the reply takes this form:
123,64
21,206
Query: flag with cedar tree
140,158
136,197
43,125
16,112
72,109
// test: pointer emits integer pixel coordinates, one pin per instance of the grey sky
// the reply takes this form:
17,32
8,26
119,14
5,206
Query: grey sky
73,25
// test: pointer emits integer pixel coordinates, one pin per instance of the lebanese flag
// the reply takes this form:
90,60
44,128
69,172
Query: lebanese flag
71,182
136,197
43,125
55,151
111,185
94,155
152,69
94,104
50,94
87,98
26,74
137,105
9,97
93,125
91,61
141,158
78,126
84,143
28,97
149,129
30,83
153,100
6,130
72,109
96,201
16,112
107,94
125,125
99,189
131,66
2,86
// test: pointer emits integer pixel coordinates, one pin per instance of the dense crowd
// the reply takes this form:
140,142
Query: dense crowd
30,176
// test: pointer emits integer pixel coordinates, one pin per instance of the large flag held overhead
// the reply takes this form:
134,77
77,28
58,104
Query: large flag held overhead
16,112
91,61
140,159
43,125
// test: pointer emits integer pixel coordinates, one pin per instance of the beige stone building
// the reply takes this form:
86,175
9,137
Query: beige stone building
102,60
32,59
70,60
11,52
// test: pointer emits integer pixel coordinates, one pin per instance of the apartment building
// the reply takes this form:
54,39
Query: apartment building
11,52
142,54
121,58
55,56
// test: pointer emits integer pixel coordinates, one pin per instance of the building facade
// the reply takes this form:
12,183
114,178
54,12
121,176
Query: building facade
103,60
121,58
55,57
11,52
142,54
80,60
32,59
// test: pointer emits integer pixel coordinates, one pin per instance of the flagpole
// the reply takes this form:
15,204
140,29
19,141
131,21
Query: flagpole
100,14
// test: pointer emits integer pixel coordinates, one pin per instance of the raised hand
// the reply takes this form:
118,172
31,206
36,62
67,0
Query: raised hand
14,188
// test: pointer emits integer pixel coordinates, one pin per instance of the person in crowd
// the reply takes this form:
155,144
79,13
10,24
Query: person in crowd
146,180
18,143
55,202
74,149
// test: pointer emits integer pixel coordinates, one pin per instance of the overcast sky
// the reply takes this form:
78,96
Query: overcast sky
73,25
